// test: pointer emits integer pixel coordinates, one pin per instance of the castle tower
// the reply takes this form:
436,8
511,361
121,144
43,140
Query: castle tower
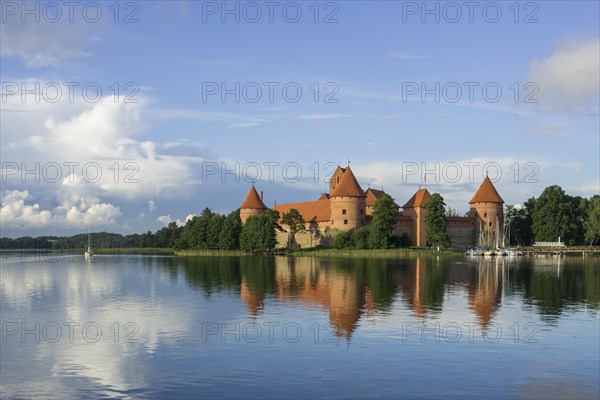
348,202
335,178
253,205
487,207
415,208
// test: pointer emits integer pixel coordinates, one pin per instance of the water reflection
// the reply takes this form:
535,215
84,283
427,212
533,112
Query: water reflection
349,288
485,291
365,301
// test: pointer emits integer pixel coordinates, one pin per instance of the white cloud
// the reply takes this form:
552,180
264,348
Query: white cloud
569,79
243,125
74,211
152,205
14,212
166,220
100,138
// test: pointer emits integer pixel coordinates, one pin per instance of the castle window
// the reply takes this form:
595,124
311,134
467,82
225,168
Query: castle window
345,222
344,211
331,222
490,224
484,215
361,211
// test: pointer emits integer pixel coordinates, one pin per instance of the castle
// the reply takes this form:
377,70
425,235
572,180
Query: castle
347,206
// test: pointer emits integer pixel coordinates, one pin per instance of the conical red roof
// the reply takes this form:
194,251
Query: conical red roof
253,200
486,193
419,199
348,186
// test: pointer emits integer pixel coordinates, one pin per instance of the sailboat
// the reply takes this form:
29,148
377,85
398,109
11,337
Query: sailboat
477,249
507,251
88,254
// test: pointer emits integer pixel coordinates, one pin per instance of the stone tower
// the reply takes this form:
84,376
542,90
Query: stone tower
335,178
252,205
487,207
348,202
415,208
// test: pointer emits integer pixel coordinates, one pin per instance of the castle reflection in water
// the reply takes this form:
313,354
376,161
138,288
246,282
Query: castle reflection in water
349,289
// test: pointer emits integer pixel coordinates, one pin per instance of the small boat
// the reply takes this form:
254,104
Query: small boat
474,251
88,254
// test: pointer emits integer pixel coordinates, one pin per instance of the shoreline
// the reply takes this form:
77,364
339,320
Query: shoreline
314,252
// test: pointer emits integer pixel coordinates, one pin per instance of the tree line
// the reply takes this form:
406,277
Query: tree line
554,214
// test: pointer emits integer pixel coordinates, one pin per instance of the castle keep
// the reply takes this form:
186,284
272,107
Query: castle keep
347,206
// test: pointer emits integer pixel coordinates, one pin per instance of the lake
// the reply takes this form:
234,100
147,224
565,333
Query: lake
278,327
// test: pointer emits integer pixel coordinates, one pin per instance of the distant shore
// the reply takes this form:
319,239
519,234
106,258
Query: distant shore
313,252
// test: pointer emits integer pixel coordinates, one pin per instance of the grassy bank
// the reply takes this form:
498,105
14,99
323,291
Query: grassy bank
379,253
149,251
211,253
315,252
327,252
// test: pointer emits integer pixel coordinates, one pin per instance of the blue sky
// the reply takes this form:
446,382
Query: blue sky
388,76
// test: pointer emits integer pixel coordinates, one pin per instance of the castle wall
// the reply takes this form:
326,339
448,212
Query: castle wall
355,212
461,232
245,213
304,239
405,225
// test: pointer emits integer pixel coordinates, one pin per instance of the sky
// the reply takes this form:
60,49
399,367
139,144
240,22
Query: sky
125,116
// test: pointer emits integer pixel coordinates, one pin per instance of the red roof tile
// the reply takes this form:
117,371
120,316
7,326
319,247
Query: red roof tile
486,193
253,201
311,211
419,199
348,186
373,195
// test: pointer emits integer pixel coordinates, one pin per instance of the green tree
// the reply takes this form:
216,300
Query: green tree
147,240
258,233
360,237
436,223
294,220
519,222
343,240
213,231
592,221
385,218
555,215
229,237
452,212
196,232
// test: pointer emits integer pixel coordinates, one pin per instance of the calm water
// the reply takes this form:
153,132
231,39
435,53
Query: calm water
263,327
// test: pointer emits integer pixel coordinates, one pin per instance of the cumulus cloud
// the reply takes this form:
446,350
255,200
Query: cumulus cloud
73,211
569,79
166,220
16,213
101,142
